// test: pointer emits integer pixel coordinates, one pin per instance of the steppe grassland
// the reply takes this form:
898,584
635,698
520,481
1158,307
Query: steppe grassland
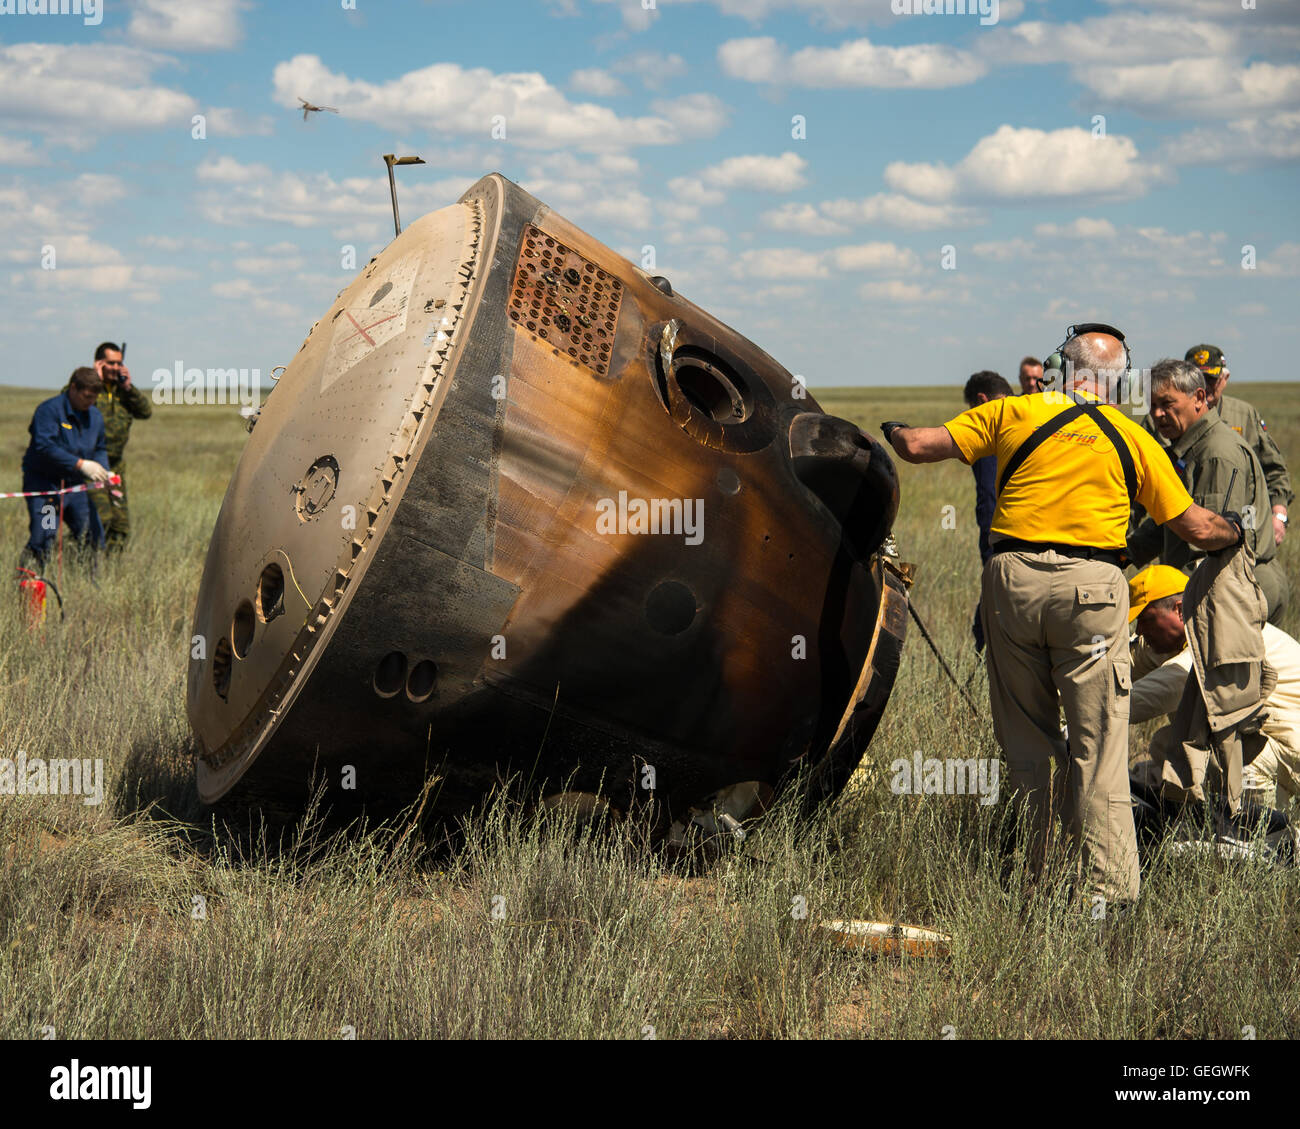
381,933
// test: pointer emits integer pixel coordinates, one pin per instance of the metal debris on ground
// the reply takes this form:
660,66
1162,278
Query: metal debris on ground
888,938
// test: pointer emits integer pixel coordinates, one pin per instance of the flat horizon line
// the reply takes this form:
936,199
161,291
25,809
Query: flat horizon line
815,389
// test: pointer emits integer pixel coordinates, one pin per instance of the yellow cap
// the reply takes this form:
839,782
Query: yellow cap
1151,584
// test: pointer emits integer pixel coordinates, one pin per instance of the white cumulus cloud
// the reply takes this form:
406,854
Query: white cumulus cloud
15,151
1126,37
858,63
760,173
1237,145
654,68
803,219
890,209
596,82
446,98
902,293
1083,227
75,90
1179,88
881,258
226,170
186,25
1022,163
782,263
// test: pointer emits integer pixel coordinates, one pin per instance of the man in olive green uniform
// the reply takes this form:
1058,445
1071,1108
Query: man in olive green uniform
1246,422
1205,451
120,403
1055,603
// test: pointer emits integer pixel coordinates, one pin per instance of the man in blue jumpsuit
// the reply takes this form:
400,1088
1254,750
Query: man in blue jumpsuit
68,447
980,389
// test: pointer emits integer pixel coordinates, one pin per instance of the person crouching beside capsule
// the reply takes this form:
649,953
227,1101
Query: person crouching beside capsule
1055,602
1163,663
67,448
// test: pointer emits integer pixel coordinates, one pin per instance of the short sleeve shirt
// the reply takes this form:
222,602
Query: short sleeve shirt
1071,489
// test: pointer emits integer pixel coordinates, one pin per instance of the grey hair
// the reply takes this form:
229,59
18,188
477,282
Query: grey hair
1088,358
1186,377
1167,603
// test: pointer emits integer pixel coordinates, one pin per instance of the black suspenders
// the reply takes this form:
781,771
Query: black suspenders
1053,425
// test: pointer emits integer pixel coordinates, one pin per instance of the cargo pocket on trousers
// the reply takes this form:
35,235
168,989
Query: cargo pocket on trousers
1095,608
1120,685
1096,595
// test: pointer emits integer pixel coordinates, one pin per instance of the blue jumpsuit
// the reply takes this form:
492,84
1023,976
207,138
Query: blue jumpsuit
60,436
986,500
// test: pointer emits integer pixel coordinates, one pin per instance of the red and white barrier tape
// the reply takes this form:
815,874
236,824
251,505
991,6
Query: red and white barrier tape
115,480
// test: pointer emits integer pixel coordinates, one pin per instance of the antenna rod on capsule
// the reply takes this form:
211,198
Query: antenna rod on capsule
390,161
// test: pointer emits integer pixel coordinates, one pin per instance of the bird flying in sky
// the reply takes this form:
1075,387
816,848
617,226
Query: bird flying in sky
308,108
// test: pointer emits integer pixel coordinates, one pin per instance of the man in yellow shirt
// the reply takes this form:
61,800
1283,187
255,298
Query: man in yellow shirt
1055,601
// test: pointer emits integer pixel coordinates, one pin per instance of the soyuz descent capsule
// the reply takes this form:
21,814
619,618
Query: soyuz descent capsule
517,509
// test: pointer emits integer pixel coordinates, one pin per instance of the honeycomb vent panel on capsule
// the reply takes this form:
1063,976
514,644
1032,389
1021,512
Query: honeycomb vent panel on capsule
560,298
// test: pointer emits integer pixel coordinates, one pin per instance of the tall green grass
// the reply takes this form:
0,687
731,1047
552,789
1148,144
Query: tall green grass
146,916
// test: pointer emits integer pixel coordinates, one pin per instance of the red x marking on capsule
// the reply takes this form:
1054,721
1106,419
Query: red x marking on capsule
361,329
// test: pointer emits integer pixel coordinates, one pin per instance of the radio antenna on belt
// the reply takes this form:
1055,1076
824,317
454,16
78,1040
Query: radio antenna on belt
1228,496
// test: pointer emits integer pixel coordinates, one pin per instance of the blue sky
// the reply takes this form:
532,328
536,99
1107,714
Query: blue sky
669,128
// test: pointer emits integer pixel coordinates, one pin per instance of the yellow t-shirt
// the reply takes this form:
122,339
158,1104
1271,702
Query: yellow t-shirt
1071,489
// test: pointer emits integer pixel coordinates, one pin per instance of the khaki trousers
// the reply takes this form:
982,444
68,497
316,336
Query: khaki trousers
1271,778
1057,631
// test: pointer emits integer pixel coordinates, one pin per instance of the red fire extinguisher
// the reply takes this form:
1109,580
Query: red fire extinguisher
32,590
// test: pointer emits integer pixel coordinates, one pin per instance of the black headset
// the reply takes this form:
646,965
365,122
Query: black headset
1057,359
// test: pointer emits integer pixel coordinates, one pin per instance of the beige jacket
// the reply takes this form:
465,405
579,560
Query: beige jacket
1158,687
1221,703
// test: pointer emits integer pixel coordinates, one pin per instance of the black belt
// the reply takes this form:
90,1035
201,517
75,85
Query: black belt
1117,557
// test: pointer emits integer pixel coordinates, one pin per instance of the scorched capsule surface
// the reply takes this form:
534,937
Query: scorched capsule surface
516,508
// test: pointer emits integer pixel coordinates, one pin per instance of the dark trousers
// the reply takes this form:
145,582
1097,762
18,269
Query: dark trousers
43,518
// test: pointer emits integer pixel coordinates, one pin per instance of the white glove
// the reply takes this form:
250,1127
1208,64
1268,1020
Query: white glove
93,471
